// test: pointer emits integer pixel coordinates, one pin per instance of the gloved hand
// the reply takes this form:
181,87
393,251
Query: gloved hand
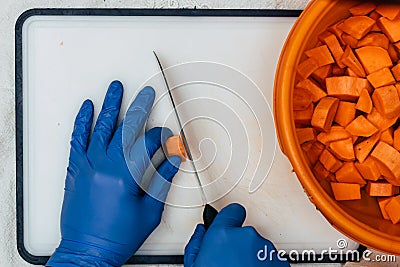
227,243
105,215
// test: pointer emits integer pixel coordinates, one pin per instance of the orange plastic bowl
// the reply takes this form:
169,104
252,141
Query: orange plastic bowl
359,220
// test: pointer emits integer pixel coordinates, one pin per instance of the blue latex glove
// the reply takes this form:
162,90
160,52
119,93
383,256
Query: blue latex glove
227,243
105,215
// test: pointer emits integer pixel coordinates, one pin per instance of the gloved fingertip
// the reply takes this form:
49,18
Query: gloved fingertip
232,215
200,229
148,90
116,84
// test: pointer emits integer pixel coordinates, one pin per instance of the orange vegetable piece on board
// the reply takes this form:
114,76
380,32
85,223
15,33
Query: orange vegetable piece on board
390,27
321,54
380,189
345,113
368,169
373,58
343,149
334,46
349,174
344,191
387,136
330,162
324,113
374,39
396,72
387,101
388,11
357,26
382,202
303,117
361,127
314,152
396,139
364,103
388,159
302,98
362,9
307,67
350,60
175,147
345,87
382,77
379,120
313,88
335,134
364,148
322,73
393,209
305,134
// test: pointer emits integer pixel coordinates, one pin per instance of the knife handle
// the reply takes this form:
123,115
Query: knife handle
209,214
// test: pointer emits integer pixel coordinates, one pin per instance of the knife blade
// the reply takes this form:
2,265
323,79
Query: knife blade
209,211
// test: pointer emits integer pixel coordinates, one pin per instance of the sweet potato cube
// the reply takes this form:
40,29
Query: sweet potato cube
368,169
345,191
320,172
396,72
329,161
362,9
361,127
343,149
388,159
387,136
390,27
302,98
348,173
305,134
373,58
387,101
382,202
390,11
382,77
313,88
393,209
374,39
393,54
335,134
380,189
321,55
334,46
324,113
364,103
396,139
349,40
336,31
357,26
345,87
345,113
307,67
175,147
314,152
350,60
379,120
322,73
303,117
364,148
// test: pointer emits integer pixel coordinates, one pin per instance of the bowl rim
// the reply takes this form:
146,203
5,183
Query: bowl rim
285,127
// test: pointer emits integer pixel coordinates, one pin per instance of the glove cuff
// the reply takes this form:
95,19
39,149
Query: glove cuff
73,254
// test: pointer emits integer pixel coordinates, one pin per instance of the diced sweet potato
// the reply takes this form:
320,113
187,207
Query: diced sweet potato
307,146
321,55
382,202
364,148
324,113
343,149
344,191
320,172
350,60
302,98
390,11
389,160
362,9
380,121
396,72
368,169
303,117
330,162
322,73
305,134
393,54
374,39
307,67
361,127
345,113
373,58
349,174
396,139
336,31
349,40
346,88
387,101
335,134
380,189
393,209
390,27
387,136
334,46
313,88
382,77
364,103
357,26
314,152
338,71
175,147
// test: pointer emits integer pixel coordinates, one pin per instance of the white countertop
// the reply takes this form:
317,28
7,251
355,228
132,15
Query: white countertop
9,13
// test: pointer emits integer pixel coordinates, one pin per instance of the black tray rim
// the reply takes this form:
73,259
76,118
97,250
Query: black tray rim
136,259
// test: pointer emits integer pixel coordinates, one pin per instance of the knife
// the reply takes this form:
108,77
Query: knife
209,211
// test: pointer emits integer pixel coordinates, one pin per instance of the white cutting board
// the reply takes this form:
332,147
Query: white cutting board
222,71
